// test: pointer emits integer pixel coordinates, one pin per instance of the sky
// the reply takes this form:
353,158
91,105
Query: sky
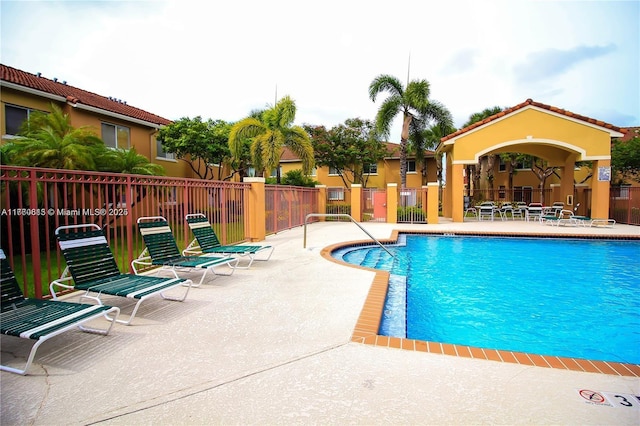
222,60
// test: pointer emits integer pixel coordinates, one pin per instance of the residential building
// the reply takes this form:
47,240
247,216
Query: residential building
116,122
379,175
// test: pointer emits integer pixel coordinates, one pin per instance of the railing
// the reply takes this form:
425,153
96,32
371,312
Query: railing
412,205
624,205
286,206
34,202
527,195
346,216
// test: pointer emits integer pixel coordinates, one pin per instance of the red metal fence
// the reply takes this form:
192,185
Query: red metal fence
286,206
624,205
34,202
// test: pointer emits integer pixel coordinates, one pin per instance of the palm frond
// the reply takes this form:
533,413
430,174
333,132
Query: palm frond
297,140
244,129
386,114
417,95
285,111
385,83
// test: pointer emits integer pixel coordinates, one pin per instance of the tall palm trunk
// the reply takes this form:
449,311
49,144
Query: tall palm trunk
404,138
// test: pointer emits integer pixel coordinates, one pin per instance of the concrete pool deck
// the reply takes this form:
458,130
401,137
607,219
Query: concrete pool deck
273,345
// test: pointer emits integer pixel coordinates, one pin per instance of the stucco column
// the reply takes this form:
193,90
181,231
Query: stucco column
446,202
356,202
432,202
392,203
256,210
322,200
456,181
600,189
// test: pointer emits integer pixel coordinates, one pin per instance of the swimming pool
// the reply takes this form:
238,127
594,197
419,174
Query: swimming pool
563,297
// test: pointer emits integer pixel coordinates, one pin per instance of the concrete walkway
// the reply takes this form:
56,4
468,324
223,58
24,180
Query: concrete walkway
272,345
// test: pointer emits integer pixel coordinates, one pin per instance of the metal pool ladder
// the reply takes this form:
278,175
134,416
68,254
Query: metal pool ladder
304,243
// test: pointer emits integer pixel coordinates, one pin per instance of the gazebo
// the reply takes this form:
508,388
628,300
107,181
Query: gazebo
560,137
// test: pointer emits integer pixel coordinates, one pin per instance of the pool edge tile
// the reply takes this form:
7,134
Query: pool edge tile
367,325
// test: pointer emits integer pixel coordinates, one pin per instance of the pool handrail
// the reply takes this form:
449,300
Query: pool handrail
304,243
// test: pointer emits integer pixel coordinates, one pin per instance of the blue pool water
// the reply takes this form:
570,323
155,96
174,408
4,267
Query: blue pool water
563,297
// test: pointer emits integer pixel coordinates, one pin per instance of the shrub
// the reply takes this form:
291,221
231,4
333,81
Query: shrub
411,214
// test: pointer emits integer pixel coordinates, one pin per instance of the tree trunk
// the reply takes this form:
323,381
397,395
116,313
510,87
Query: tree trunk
404,137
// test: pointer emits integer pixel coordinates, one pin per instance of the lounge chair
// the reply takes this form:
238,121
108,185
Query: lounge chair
93,269
565,218
40,320
161,250
206,242
594,223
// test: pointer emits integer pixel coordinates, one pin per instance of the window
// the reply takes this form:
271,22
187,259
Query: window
14,117
502,167
411,166
335,194
502,192
160,153
370,169
333,171
115,136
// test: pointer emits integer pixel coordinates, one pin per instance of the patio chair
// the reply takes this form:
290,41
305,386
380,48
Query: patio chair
486,210
206,242
40,320
161,250
506,209
519,210
93,269
534,212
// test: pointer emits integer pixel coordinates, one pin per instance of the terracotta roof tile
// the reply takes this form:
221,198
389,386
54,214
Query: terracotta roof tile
74,95
531,102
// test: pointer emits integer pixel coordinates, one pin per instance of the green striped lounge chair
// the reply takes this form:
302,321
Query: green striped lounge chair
206,242
162,250
92,268
40,320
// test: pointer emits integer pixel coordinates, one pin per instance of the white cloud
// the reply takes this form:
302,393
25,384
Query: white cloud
220,60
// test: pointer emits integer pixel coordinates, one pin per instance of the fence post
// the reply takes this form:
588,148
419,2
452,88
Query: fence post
257,226
128,202
432,202
35,231
392,203
356,202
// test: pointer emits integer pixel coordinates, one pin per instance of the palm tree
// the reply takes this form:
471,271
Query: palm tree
48,140
430,139
416,108
130,162
490,159
271,131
